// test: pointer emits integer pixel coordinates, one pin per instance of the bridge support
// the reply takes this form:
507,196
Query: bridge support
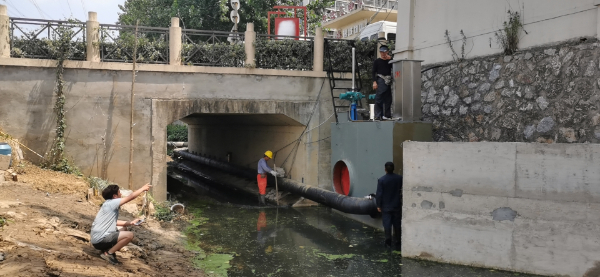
4,33
250,38
319,42
175,42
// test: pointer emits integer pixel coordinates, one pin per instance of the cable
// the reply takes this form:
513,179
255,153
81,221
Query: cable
37,7
10,4
69,4
83,8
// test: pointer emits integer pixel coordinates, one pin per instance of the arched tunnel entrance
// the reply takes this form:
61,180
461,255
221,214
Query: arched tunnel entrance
239,131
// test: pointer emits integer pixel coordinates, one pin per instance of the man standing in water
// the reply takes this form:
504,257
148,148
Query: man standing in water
382,84
108,233
389,203
261,178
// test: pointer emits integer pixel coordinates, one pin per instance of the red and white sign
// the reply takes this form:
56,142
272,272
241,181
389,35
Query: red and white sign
287,26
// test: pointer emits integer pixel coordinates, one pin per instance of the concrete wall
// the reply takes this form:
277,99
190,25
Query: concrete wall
422,24
517,206
97,102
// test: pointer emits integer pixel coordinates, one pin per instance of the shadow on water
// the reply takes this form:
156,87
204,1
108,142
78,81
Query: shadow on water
293,242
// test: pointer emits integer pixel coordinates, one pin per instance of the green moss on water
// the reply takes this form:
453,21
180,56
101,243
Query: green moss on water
333,257
214,264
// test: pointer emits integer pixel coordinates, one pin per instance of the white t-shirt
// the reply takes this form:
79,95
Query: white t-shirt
106,220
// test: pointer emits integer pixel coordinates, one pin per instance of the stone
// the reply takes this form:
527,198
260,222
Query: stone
463,110
507,92
427,84
431,96
446,90
477,97
555,65
596,120
5,162
484,87
527,107
597,133
542,103
529,93
528,56
426,108
490,97
507,59
467,100
465,80
441,99
545,140
529,130
447,112
487,109
452,100
499,84
511,83
590,70
568,134
476,107
496,133
435,110
495,72
568,57
545,125
474,85
550,52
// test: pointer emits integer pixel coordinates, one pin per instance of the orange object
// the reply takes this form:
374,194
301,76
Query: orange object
262,221
262,184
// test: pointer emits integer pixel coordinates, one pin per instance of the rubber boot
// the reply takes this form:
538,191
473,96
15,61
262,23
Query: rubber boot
398,239
388,237
262,200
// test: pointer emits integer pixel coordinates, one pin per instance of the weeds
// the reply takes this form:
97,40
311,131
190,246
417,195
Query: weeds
455,56
4,221
509,37
163,212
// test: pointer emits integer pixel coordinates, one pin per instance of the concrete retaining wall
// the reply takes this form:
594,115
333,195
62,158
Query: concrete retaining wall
525,207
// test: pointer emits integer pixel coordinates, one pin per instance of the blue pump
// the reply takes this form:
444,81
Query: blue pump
354,97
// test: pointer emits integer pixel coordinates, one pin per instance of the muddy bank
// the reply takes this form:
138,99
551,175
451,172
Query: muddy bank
48,233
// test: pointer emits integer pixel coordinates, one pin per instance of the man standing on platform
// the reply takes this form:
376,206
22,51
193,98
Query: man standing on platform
382,84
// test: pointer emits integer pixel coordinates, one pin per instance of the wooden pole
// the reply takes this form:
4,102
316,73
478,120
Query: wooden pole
132,97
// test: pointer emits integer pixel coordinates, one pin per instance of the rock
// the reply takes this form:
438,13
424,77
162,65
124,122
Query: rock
496,133
446,90
441,99
151,209
549,52
528,56
465,80
527,107
568,57
568,134
597,133
529,93
426,108
545,125
542,103
590,70
476,97
511,83
474,85
427,84
468,100
499,84
464,109
484,87
490,97
495,72
507,59
452,100
2,256
476,107
529,130
130,208
446,112
435,110
431,96
487,109
507,92
545,140
596,120
5,162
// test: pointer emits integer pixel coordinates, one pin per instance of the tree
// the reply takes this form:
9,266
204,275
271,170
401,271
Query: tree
211,14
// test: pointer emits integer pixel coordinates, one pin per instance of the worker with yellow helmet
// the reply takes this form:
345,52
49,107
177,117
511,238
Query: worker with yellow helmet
261,178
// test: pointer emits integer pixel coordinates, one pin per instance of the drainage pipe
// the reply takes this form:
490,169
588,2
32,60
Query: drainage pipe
340,202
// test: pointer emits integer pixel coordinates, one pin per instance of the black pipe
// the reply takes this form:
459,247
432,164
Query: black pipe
347,204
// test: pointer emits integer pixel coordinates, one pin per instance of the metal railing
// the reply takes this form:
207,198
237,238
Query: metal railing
284,52
118,41
212,48
36,38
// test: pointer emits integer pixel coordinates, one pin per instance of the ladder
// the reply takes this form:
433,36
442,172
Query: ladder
339,82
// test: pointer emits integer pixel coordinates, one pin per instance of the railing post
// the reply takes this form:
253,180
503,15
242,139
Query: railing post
92,30
319,50
249,39
4,33
175,42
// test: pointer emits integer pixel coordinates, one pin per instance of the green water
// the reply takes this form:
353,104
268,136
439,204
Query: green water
234,241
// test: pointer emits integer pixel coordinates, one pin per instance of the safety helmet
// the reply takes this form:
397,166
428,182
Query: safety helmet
269,154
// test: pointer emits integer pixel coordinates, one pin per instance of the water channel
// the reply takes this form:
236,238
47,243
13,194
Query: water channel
234,237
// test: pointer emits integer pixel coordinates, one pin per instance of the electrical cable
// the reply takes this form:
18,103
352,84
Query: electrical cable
38,8
83,8
69,4
10,4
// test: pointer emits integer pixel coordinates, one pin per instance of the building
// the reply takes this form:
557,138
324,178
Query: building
347,18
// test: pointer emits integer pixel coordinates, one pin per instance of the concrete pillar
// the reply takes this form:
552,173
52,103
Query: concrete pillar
4,33
175,42
319,50
250,38
404,29
597,4
92,31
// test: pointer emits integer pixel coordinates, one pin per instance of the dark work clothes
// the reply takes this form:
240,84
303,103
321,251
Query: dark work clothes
382,67
389,192
389,199
383,100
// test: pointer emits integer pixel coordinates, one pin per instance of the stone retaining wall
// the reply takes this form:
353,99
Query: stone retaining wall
548,94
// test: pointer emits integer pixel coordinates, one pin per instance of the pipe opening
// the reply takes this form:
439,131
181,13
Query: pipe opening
341,178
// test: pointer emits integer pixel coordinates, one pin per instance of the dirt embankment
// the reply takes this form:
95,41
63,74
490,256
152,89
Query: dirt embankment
48,233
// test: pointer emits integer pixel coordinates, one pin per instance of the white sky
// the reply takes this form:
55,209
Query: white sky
61,9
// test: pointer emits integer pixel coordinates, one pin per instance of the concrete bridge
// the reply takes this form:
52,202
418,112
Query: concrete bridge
239,111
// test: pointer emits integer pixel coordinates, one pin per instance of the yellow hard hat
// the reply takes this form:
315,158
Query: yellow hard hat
269,154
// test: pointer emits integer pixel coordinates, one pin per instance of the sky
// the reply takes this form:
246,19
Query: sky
108,10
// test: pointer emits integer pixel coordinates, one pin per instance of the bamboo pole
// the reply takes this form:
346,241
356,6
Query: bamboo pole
276,187
132,98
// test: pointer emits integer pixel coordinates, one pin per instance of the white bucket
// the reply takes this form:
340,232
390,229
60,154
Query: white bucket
372,114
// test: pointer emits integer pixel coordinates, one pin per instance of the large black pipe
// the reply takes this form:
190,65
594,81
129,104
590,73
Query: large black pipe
347,204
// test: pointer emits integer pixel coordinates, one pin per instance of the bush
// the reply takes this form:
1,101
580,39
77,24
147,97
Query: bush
284,54
177,133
